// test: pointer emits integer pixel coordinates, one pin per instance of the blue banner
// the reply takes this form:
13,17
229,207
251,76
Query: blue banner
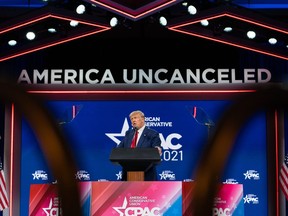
93,128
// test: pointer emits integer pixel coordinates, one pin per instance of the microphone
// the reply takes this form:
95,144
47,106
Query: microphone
135,128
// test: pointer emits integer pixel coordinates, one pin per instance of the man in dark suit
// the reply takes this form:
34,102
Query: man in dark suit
147,138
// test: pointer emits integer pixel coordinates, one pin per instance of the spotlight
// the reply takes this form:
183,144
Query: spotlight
272,41
251,34
113,21
30,35
242,20
74,23
204,22
192,10
52,30
228,29
12,42
163,21
80,9
185,3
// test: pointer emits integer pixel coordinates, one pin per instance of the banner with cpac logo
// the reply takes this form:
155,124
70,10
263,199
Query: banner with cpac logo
44,199
227,202
135,199
93,128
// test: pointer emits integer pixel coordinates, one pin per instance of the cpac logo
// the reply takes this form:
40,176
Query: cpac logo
165,143
251,198
52,210
40,174
82,175
221,211
136,211
252,174
119,175
167,174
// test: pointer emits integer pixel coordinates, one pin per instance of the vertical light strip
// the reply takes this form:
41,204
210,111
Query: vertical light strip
11,159
277,161
73,112
194,112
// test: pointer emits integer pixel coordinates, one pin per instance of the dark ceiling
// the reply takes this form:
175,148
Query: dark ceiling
134,14
11,8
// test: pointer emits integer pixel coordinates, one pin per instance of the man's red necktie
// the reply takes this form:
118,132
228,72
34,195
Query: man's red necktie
134,140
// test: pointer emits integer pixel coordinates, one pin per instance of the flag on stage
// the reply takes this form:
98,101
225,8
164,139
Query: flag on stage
3,193
283,178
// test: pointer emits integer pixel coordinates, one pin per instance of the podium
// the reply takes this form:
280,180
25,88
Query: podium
135,160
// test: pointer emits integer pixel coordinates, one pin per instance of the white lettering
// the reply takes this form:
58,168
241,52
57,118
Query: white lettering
249,75
204,76
134,211
233,77
221,212
70,76
157,76
56,75
223,75
261,75
24,77
177,77
38,75
142,76
195,77
167,144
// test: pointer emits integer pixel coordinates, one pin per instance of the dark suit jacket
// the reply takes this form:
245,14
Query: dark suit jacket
149,139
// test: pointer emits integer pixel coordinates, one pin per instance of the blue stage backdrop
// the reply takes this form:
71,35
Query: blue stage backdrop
93,128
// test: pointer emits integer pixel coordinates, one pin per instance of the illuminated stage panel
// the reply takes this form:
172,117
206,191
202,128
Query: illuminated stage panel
44,199
241,21
229,200
145,198
150,198
39,22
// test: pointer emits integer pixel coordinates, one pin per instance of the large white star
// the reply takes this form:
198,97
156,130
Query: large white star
113,136
47,210
120,209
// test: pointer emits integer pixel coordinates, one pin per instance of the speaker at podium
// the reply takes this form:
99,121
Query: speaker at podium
135,161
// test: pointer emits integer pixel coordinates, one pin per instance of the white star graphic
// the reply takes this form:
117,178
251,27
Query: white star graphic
162,176
47,210
119,175
119,209
112,136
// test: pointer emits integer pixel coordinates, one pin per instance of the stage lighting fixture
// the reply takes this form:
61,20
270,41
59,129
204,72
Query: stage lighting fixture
12,42
113,21
204,22
162,20
52,30
67,25
251,34
192,10
30,35
80,9
228,29
239,19
74,23
272,41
